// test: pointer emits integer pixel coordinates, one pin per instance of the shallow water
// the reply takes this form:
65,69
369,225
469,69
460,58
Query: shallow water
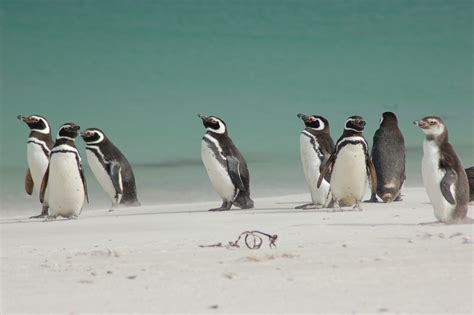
142,71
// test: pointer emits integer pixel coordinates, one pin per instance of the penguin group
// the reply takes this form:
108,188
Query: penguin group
337,174
55,169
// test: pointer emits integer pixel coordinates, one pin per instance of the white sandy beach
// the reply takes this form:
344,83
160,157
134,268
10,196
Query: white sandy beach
148,260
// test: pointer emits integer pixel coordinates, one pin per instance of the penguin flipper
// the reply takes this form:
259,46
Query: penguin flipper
327,169
81,172
447,183
44,184
234,172
29,182
114,173
372,174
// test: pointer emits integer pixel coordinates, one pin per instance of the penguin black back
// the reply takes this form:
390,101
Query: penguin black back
226,167
388,157
109,155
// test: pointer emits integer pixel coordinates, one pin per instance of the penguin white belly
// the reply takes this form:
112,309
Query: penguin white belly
65,187
432,176
311,167
38,163
101,175
218,175
349,176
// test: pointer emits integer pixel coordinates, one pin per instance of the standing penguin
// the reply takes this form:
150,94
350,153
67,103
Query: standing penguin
443,174
225,165
64,184
316,146
111,168
39,147
350,166
388,156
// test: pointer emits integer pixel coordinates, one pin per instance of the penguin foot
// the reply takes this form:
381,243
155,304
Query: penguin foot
372,199
399,198
225,206
357,207
39,216
219,209
309,206
336,206
44,213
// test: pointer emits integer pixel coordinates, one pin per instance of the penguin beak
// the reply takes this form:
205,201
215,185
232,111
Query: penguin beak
422,124
74,128
22,118
203,117
305,118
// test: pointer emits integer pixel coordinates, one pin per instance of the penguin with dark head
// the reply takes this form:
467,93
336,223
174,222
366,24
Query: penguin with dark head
225,165
64,185
388,157
316,146
111,169
39,145
350,166
443,173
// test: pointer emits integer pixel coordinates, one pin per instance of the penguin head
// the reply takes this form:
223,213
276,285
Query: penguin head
213,124
431,125
93,136
314,122
355,123
388,118
68,131
36,123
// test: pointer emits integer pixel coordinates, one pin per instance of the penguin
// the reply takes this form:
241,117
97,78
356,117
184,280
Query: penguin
316,146
470,178
350,166
225,165
388,157
444,177
111,169
39,146
64,184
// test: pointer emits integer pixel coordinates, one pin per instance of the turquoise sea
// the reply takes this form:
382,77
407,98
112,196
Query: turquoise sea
142,70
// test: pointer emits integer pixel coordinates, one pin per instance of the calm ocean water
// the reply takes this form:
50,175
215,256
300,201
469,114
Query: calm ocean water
141,70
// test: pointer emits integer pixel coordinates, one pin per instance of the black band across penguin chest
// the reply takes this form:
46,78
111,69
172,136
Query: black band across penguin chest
217,150
99,155
42,144
313,140
353,141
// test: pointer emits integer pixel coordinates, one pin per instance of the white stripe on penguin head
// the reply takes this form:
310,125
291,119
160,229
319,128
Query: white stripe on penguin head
221,128
46,130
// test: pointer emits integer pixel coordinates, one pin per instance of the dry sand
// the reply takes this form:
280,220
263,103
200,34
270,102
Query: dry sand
148,260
